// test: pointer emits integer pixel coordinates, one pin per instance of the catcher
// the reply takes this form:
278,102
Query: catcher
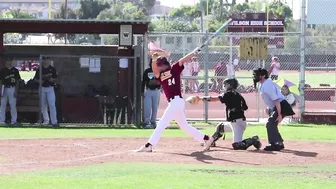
235,107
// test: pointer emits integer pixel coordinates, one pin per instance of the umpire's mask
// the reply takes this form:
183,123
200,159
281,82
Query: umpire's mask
258,74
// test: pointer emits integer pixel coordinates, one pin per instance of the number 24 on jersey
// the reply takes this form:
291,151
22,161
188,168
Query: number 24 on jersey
171,81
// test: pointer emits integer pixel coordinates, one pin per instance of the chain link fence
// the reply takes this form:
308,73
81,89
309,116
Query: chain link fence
221,60
86,89
320,74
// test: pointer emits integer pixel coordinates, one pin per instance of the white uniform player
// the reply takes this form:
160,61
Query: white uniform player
10,78
49,75
170,79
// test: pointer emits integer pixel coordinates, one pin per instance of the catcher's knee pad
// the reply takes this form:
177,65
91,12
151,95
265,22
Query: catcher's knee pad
246,143
219,132
239,145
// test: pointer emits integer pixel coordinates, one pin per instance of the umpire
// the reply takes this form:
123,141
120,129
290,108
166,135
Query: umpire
279,108
10,78
48,99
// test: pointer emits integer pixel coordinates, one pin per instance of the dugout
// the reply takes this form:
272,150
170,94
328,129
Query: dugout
83,95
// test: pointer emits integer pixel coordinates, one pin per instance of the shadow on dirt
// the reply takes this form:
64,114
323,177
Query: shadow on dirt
204,158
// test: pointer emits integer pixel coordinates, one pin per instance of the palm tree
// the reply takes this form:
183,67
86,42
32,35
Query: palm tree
17,13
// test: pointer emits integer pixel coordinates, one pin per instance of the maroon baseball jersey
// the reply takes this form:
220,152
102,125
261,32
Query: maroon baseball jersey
170,80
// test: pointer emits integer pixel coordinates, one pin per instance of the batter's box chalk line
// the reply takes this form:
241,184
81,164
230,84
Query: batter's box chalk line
66,161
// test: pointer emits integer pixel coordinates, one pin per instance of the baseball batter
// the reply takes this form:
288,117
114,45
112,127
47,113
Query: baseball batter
9,77
170,79
235,107
49,75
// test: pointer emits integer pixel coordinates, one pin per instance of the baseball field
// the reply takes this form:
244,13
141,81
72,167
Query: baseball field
103,158
35,158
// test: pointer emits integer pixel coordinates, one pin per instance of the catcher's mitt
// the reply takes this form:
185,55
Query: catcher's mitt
193,99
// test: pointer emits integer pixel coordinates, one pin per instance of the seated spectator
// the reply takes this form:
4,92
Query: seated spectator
288,95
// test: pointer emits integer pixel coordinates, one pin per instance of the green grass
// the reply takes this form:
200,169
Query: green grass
294,132
164,176
27,75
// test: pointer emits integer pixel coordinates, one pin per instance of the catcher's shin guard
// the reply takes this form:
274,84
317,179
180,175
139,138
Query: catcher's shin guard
240,145
219,132
257,144
243,145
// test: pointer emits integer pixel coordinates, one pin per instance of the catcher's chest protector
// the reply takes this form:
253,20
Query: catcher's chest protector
234,106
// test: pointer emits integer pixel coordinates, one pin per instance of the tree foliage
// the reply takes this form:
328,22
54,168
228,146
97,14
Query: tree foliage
175,25
147,5
61,14
90,9
122,11
188,12
18,13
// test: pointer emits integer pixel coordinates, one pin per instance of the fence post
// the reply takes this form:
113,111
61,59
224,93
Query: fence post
206,77
302,56
40,89
231,61
143,66
136,106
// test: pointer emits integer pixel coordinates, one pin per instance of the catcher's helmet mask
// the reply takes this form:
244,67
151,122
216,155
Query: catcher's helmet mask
232,83
258,74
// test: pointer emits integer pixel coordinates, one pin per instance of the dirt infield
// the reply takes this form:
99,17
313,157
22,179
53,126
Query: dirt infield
30,155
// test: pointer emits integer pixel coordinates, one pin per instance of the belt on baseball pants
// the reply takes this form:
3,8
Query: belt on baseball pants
8,86
172,98
240,119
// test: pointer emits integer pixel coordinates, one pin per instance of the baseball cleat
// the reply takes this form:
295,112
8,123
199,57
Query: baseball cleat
208,144
145,149
212,144
55,125
274,147
148,126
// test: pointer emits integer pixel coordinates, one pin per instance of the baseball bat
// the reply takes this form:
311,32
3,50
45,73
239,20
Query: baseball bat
216,33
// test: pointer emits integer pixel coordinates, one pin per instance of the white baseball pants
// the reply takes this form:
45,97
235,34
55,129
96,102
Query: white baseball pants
8,96
175,110
48,99
238,129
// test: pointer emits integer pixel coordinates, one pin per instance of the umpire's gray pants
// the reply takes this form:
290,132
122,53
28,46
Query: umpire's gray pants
152,100
273,133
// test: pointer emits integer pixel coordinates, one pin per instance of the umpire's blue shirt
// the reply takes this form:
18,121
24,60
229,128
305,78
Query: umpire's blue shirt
270,93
